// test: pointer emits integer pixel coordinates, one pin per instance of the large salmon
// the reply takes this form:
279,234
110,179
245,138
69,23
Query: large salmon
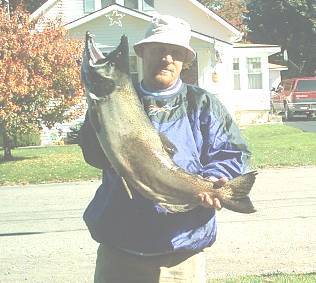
132,145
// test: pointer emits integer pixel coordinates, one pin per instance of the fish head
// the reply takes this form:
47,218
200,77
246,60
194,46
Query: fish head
102,73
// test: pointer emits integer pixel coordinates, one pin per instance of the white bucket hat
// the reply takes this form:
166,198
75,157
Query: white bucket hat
170,30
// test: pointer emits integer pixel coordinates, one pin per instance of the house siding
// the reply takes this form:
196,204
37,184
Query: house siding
64,10
110,35
53,13
197,18
253,99
72,10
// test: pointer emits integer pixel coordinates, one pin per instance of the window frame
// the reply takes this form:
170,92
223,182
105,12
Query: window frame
136,2
148,7
236,74
108,4
88,10
140,5
254,73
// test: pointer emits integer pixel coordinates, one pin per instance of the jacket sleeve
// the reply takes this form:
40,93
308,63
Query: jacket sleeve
90,146
224,151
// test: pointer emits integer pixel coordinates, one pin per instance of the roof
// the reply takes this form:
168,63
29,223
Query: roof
253,45
134,13
277,67
301,78
105,10
42,9
251,48
218,18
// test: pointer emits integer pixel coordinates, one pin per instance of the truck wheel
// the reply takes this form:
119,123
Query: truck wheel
310,116
288,114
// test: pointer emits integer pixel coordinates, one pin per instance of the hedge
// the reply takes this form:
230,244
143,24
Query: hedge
29,139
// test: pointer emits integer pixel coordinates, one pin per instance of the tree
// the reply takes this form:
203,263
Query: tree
290,24
39,76
29,5
231,10
307,8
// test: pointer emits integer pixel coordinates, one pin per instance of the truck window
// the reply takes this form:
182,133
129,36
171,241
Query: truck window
306,85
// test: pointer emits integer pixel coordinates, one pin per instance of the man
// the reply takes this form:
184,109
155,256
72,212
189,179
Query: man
142,242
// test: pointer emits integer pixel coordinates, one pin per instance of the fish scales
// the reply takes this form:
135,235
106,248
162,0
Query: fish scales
134,148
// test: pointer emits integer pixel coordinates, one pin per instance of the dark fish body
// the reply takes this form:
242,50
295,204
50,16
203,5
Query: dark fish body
134,148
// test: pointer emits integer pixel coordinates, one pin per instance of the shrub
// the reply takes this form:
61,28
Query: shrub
29,139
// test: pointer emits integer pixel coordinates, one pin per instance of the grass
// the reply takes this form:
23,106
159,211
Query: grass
271,145
279,146
279,278
46,164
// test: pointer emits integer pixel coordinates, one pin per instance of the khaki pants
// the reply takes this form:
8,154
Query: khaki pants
116,266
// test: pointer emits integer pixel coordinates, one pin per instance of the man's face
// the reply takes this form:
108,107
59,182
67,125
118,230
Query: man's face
162,64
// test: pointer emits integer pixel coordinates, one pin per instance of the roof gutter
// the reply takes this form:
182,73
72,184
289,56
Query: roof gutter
42,9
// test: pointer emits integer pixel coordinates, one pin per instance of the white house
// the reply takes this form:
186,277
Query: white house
108,20
213,39
253,77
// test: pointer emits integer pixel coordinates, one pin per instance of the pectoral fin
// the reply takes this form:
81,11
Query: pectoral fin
127,188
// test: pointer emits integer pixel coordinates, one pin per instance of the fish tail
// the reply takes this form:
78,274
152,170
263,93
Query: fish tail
234,194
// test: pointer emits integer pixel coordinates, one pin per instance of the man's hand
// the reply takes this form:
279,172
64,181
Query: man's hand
207,200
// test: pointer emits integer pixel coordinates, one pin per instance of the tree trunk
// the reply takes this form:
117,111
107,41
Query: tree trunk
7,146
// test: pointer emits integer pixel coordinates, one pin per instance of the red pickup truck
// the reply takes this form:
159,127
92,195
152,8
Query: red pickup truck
296,96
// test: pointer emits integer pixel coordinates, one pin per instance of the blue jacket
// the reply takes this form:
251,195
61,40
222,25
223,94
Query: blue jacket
208,143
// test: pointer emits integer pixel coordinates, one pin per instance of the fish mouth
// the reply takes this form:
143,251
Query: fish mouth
119,57
100,72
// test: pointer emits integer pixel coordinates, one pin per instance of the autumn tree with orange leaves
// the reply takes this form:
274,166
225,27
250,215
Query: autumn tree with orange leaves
39,76
233,11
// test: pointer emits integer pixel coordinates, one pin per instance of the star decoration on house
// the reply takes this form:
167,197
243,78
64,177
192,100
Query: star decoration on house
115,18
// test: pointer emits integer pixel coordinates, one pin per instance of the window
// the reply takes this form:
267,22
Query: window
88,6
306,85
105,3
132,4
254,73
236,71
133,68
148,5
145,5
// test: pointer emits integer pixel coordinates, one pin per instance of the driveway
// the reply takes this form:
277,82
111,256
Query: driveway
303,124
43,237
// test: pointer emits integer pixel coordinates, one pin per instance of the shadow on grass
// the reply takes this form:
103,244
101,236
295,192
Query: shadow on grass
16,158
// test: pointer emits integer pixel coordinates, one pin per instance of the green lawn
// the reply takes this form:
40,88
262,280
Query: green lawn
278,145
46,164
271,145
275,278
